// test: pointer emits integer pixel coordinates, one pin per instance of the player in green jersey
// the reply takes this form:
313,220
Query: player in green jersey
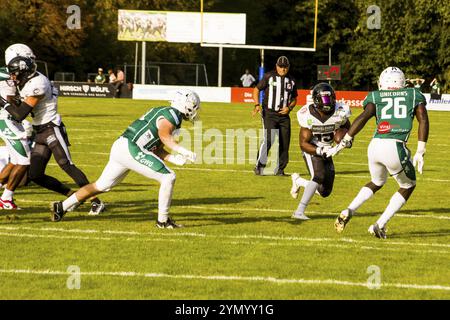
140,148
394,108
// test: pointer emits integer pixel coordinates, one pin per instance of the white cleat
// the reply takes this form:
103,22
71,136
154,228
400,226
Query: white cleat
295,188
299,216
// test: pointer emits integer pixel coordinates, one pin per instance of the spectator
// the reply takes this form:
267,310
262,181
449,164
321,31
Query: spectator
435,86
100,78
116,82
111,76
418,83
247,79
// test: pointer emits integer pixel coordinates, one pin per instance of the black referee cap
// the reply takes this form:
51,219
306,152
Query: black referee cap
283,61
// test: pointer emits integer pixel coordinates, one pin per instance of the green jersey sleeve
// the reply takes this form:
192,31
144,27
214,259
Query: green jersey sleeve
173,116
419,98
369,99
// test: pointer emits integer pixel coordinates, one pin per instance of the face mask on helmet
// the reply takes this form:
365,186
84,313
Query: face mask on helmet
187,102
22,68
391,78
18,50
324,97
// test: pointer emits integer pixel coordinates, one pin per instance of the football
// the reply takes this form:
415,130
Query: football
339,134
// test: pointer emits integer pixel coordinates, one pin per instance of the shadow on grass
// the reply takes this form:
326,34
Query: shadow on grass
420,234
353,172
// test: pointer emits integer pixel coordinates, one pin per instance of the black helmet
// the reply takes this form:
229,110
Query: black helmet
324,97
22,67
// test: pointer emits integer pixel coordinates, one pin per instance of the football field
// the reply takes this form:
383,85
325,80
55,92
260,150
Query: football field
239,240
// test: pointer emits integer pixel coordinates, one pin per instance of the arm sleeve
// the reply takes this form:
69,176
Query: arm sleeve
19,112
263,83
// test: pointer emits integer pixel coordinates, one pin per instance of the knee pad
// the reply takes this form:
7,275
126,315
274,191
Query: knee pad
35,175
318,180
379,182
64,163
103,186
169,178
324,192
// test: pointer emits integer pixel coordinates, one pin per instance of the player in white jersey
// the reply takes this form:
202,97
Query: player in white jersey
14,135
318,122
38,97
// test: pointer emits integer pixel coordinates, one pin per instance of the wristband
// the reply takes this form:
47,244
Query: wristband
421,147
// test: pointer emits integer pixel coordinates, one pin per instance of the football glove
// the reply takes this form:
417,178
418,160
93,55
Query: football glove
188,155
321,151
346,142
418,157
176,159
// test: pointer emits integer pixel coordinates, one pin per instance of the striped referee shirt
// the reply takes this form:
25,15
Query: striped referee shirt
279,91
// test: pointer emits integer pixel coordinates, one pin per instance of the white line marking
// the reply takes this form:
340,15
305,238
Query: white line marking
228,209
226,278
251,171
316,241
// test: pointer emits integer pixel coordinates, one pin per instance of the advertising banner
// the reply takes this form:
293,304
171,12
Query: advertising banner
438,102
351,98
172,26
83,89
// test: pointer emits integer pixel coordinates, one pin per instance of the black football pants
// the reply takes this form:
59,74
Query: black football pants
51,139
274,125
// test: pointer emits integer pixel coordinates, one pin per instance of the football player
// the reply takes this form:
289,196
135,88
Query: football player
141,149
38,97
394,108
318,122
14,135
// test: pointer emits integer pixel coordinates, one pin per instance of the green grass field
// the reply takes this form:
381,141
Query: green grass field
239,241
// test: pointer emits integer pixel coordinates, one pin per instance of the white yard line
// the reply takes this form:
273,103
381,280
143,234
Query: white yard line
327,282
369,245
228,209
251,171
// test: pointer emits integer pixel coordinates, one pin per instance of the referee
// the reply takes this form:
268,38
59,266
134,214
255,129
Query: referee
280,97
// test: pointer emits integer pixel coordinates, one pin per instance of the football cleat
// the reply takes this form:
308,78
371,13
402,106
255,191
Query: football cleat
169,224
295,188
299,216
281,173
342,220
377,231
97,208
258,171
57,211
8,205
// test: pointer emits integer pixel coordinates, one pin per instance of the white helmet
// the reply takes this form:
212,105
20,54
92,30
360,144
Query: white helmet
18,49
392,78
187,102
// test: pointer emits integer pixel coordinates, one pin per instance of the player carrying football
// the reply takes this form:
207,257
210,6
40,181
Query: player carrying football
140,148
394,108
318,123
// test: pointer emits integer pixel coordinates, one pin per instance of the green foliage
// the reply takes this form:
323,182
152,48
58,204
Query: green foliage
414,35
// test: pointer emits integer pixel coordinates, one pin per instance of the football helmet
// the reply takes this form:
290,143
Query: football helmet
18,49
187,102
23,68
392,78
324,97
